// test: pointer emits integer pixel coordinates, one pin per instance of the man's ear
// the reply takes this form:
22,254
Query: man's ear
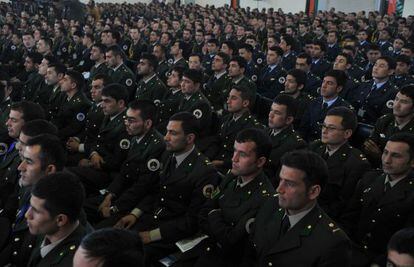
62,220
50,169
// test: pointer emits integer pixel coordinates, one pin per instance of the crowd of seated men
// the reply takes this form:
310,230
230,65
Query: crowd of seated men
205,136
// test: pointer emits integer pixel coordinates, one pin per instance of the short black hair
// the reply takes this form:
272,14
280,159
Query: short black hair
245,93
195,75
390,61
305,56
240,61
349,119
77,78
321,44
35,57
310,163
59,68
404,59
403,242
116,51
300,76
247,47
339,75
114,247
30,110
180,70
51,150
63,194
277,49
116,91
39,126
189,122
288,101
348,57
408,90
152,60
224,56
259,137
148,110
101,47
104,77
407,138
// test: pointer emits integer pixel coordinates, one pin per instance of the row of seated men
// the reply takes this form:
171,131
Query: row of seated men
176,178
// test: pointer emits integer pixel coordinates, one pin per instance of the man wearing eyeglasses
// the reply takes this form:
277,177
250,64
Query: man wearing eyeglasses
346,165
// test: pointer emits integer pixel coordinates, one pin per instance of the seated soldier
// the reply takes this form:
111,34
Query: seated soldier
70,116
53,216
239,102
290,229
294,86
346,165
109,247
110,149
382,202
168,106
170,213
138,173
332,85
150,86
373,98
224,217
80,144
42,155
281,132
400,120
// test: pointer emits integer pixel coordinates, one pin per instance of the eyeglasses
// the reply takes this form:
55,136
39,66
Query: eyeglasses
330,128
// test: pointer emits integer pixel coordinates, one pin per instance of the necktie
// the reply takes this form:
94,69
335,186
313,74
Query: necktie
284,227
326,155
173,164
387,186
324,107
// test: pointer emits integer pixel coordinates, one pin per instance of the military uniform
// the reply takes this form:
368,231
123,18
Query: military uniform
374,214
162,70
226,228
168,107
55,99
9,179
207,61
272,81
85,63
75,54
228,132
152,89
313,83
315,240
71,115
136,49
386,48
346,167
112,145
215,90
42,95
252,71
33,83
124,76
62,254
198,105
320,67
96,69
183,191
349,88
402,80
289,61
385,127
138,176
285,141
61,49
355,72
332,52
310,124
371,102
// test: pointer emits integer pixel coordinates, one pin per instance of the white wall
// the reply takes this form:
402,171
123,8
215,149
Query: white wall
293,6
349,5
408,8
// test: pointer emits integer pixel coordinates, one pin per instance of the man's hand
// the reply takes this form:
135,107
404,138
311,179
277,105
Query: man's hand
85,163
126,222
96,161
72,144
105,206
217,163
372,148
145,237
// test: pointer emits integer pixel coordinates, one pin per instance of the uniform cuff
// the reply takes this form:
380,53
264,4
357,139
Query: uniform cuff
155,234
136,212
81,148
